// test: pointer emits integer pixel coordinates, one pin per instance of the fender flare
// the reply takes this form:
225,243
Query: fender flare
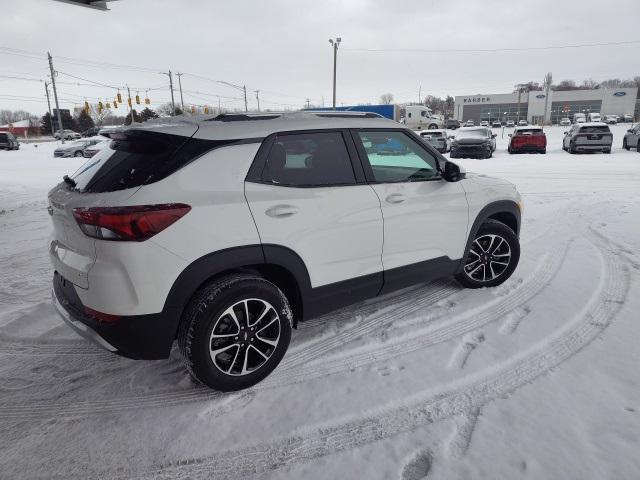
204,268
500,206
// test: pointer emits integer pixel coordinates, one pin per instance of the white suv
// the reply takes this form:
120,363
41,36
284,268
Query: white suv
225,232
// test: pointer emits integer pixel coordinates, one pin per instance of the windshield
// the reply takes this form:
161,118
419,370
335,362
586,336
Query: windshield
474,133
432,134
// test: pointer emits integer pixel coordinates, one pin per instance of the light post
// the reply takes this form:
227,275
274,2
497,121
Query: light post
334,44
241,88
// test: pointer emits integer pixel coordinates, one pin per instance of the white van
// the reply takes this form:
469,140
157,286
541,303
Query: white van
594,117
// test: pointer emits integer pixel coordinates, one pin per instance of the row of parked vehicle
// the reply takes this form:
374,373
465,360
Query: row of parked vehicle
480,142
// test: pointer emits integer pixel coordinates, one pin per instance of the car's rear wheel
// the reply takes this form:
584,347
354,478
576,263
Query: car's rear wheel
625,145
433,126
492,257
235,331
77,154
572,148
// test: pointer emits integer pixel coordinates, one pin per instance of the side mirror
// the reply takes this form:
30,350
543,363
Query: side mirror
494,135
511,135
630,130
451,137
566,133
452,172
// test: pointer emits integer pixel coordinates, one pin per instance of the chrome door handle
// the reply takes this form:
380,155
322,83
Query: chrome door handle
396,198
282,211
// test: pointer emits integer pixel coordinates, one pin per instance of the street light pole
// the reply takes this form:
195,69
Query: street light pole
335,43
130,104
173,103
258,99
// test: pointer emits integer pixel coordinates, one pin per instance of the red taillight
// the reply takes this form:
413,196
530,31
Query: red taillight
102,317
135,223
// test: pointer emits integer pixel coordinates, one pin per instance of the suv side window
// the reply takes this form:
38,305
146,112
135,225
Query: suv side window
309,160
393,156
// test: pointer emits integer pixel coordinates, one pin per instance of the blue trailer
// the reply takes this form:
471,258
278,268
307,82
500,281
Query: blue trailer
388,111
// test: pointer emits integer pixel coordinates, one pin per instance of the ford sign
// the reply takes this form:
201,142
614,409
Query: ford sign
620,94
540,96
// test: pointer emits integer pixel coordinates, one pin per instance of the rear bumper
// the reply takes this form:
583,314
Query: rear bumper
593,146
529,148
141,337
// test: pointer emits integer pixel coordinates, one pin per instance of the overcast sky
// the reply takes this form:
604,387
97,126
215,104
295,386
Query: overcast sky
281,48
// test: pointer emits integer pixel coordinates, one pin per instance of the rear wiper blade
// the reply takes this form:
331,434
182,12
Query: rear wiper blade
69,181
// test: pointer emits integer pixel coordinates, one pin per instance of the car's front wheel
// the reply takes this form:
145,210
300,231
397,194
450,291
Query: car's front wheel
492,256
77,154
235,331
625,145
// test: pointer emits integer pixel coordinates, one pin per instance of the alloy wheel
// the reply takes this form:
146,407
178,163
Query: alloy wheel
489,257
244,337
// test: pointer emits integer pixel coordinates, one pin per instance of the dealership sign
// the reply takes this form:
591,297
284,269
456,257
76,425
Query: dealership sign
540,96
477,100
620,94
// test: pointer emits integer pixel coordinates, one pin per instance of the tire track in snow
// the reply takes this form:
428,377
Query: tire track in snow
456,325
468,395
461,353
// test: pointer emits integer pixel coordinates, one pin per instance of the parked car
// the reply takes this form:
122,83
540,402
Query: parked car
611,119
484,123
75,149
588,137
477,142
631,138
496,124
90,151
527,139
579,118
469,123
67,135
438,139
565,122
628,117
594,117
452,124
8,141
522,123
510,124
91,132
281,187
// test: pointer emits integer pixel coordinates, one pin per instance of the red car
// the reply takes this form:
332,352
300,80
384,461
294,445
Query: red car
527,139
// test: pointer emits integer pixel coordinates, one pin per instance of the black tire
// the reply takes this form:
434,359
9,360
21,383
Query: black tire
207,310
433,126
624,144
499,229
77,154
543,151
572,149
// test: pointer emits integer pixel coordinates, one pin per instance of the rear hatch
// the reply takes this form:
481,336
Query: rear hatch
110,178
529,138
594,134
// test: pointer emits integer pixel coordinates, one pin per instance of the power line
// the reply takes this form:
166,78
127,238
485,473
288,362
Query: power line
489,50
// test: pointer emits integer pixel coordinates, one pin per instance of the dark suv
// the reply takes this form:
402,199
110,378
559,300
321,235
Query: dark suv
451,124
8,141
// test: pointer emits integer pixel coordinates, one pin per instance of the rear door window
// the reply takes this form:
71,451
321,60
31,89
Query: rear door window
313,159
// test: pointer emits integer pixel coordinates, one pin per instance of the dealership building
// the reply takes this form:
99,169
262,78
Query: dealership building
531,105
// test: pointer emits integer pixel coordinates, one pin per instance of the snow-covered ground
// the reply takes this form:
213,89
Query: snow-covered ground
535,379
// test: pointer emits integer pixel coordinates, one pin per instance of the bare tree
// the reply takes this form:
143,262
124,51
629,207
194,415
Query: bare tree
589,84
12,116
386,98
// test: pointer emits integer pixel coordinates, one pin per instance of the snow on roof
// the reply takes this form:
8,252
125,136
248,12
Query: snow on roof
18,124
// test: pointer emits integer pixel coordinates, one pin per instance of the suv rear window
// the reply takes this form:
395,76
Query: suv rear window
309,160
595,129
137,158
3,136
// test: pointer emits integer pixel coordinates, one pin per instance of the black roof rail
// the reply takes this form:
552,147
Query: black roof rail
343,114
242,117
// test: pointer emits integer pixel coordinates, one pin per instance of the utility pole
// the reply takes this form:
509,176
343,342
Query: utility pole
308,105
173,103
334,44
130,103
258,99
46,89
244,89
55,96
547,81
180,87
420,95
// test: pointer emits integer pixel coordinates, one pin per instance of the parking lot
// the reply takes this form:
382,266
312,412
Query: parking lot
533,379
